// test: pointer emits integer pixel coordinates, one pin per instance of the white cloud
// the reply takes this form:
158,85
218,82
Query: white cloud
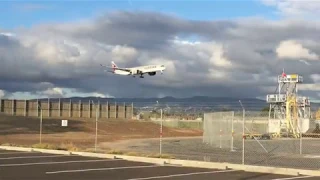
315,78
218,57
53,92
2,93
177,40
9,34
217,74
309,87
24,95
123,54
295,8
293,50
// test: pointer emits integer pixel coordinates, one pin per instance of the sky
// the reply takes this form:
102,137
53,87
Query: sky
210,47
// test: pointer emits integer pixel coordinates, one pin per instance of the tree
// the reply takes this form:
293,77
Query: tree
265,109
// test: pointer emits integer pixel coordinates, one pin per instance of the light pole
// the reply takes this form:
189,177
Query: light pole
96,137
161,134
40,133
40,125
160,131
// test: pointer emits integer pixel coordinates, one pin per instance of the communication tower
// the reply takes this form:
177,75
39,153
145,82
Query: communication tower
289,114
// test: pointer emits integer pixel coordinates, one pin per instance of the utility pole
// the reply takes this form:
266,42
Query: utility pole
40,133
96,137
161,132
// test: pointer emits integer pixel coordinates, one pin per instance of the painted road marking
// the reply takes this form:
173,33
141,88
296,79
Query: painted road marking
60,162
311,156
186,174
298,177
16,152
101,169
25,157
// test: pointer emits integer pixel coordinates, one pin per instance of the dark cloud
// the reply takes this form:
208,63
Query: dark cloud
143,30
233,58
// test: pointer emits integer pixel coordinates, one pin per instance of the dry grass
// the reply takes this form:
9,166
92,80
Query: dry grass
80,134
45,146
151,155
63,146
116,152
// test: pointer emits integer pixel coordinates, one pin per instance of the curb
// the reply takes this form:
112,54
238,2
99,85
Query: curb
183,163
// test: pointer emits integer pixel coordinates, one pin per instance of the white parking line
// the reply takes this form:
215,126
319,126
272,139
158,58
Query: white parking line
60,162
25,157
298,177
101,169
16,152
312,156
186,174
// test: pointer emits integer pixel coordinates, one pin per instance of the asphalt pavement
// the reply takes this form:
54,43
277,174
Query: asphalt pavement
37,165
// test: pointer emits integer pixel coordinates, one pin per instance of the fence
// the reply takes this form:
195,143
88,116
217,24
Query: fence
65,109
245,138
176,123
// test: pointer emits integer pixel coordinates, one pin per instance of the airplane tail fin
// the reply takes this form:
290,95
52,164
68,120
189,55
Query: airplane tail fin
113,65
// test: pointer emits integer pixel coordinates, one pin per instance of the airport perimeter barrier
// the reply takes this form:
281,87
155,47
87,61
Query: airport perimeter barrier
240,136
66,108
246,137
177,123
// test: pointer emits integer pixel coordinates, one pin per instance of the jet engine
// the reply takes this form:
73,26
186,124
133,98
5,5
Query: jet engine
152,73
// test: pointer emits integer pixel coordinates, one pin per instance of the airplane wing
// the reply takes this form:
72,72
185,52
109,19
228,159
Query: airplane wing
123,69
108,71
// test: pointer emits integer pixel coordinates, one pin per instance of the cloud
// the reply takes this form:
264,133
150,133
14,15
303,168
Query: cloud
293,50
295,8
228,58
31,7
2,93
123,53
218,58
54,93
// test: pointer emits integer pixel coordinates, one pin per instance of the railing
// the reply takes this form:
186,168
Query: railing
276,98
290,78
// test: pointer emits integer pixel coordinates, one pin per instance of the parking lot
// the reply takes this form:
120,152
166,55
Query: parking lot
37,165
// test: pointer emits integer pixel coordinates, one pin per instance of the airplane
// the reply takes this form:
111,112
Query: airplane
139,70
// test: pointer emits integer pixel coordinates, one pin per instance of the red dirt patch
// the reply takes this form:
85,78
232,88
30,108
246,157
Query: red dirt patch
81,132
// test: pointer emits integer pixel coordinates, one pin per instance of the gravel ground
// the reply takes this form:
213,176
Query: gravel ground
278,153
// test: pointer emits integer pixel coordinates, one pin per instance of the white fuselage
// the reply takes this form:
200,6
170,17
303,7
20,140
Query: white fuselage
139,70
121,72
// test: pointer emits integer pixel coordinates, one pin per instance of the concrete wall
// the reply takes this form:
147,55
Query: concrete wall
65,109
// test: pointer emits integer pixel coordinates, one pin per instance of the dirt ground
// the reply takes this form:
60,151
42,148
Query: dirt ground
81,132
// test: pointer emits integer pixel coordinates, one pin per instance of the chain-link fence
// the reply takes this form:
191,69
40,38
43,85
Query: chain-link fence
260,146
